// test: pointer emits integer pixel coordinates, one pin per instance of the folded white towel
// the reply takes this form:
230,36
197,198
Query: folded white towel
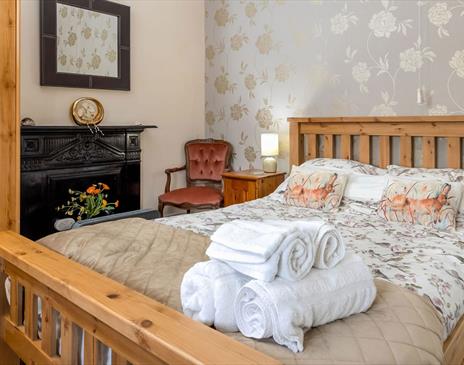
285,310
292,261
208,291
250,241
264,250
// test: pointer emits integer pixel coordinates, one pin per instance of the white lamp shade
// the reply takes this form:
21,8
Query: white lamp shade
269,144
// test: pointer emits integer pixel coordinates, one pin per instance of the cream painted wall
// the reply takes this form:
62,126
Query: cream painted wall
167,86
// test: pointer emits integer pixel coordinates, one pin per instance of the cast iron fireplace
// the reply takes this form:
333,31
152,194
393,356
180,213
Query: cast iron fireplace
56,159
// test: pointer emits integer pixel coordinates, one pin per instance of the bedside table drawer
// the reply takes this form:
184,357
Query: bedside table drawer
243,186
239,191
268,185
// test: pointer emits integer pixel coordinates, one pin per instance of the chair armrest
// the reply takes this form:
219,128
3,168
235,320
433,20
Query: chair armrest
168,172
175,169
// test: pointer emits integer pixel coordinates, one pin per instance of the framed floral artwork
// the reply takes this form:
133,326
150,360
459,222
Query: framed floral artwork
85,44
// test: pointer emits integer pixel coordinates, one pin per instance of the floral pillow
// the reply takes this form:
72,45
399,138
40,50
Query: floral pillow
315,189
347,165
430,203
453,175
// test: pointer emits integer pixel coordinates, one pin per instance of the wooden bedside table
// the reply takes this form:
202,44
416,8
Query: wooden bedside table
246,185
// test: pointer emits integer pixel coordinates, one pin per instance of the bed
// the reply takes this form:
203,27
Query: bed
141,330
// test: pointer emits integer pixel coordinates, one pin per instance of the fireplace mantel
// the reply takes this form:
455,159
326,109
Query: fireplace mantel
56,158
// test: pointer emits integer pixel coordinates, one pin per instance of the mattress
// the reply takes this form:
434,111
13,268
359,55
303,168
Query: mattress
424,260
151,257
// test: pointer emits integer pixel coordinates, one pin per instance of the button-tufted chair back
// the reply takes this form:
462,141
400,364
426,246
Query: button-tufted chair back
207,159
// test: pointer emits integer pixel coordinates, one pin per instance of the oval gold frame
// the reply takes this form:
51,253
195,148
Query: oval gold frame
98,118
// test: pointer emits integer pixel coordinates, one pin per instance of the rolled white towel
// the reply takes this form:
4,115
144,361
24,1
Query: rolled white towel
285,310
330,247
208,291
292,260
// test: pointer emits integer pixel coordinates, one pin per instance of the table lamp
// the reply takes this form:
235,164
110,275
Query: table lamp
269,149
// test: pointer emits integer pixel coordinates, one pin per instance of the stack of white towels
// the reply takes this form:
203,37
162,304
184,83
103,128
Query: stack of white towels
276,279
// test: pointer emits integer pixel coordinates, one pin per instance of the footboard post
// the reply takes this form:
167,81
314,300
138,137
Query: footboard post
6,354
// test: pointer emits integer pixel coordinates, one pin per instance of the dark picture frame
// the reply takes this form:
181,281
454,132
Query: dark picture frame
49,76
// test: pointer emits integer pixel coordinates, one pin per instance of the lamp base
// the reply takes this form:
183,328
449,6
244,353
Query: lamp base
270,164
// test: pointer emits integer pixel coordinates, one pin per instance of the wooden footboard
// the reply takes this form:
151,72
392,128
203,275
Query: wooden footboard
86,309
454,345
89,308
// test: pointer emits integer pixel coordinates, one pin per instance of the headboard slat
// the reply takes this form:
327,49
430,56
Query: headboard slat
346,146
409,129
312,146
364,149
328,146
454,153
428,152
406,153
385,151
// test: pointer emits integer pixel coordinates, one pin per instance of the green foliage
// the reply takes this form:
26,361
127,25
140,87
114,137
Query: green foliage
88,204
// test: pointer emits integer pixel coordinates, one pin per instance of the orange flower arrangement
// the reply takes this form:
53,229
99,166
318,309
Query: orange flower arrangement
90,203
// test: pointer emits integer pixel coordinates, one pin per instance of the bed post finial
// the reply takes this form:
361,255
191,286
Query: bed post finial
296,143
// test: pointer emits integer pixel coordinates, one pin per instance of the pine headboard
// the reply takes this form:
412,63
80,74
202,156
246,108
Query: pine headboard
354,138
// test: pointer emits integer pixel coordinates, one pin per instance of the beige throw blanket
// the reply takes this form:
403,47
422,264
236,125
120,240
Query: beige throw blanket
400,328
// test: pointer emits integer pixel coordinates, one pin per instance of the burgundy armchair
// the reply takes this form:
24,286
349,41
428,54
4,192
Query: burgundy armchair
206,160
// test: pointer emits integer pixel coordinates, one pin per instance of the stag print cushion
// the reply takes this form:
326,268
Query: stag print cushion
315,189
432,203
452,175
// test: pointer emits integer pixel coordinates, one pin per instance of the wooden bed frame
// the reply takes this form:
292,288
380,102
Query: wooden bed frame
316,137
140,330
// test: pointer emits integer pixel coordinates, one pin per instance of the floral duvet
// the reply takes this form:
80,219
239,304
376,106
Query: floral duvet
424,260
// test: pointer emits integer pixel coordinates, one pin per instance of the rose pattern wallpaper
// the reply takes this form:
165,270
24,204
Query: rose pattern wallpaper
87,42
270,59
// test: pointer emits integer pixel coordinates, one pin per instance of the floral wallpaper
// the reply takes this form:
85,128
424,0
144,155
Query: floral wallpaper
87,42
270,59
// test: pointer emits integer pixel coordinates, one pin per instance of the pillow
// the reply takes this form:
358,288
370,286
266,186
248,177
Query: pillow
365,188
346,165
446,175
359,187
452,175
432,203
315,189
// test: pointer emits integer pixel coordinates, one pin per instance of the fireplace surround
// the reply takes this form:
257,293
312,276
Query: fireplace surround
55,159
